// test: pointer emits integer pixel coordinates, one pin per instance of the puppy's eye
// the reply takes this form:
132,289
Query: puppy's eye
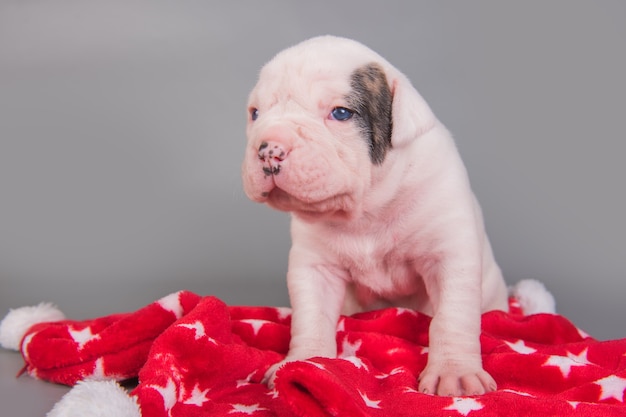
341,114
254,113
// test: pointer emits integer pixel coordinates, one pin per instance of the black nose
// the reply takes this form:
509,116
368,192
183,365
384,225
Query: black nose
272,154
271,151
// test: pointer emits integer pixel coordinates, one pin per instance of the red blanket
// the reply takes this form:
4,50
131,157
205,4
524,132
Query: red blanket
195,356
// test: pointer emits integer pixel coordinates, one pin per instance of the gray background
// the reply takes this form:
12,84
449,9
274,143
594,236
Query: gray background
122,133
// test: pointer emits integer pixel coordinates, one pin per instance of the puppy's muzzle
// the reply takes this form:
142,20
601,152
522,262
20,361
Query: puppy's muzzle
272,155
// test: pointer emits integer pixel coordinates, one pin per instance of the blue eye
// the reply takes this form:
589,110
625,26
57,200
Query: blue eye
254,113
341,114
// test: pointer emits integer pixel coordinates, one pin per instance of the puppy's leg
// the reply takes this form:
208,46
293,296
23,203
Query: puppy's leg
316,297
454,365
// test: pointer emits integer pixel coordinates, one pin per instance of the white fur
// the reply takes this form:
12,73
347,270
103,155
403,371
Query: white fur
17,322
533,297
96,399
407,232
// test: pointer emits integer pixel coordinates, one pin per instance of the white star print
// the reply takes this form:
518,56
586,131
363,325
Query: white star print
574,404
582,333
98,371
612,387
520,347
283,313
317,365
256,324
355,361
197,397
394,371
402,310
564,364
341,325
350,349
171,303
26,343
523,394
464,405
393,351
168,393
246,381
198,327
246,409
580,358
368,402
82,337
398,370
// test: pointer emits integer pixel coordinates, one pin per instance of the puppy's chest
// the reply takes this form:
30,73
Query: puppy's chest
380,264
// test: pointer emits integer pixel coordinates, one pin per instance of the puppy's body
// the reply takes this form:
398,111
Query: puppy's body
383,213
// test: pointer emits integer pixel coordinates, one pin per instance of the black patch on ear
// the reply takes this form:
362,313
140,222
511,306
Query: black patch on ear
371,100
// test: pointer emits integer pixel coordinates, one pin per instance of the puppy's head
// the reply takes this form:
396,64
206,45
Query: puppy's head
322,117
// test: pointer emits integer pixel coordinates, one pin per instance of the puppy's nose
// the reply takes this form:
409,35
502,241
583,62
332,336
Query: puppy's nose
272,151
272,154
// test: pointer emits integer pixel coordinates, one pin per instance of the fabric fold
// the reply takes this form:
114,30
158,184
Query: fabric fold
195,356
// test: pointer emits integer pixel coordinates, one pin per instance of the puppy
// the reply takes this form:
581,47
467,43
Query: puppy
382,210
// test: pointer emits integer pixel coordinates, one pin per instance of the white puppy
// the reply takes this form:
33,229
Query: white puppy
382,210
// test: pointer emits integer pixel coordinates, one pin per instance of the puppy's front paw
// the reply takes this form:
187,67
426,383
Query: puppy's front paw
455,380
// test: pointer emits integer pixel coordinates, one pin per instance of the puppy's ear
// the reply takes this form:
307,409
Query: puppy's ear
411,115
371,98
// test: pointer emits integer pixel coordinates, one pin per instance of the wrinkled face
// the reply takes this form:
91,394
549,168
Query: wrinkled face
319,121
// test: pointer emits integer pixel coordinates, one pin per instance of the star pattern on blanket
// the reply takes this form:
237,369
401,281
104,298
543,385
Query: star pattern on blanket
581,357
410,390
26,344
283,313
564,364
369,402
212,359
349,353
341,325
583,333
316,364
520,347
612,387
99,373
401,310
197,327
573,404
197,397
464,405
83,336
172,304
256,324
246,380
246,409
349,348
168,393
393,372
523,394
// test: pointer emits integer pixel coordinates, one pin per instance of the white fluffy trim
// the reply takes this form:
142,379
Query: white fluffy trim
17,322
533,297
96,399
